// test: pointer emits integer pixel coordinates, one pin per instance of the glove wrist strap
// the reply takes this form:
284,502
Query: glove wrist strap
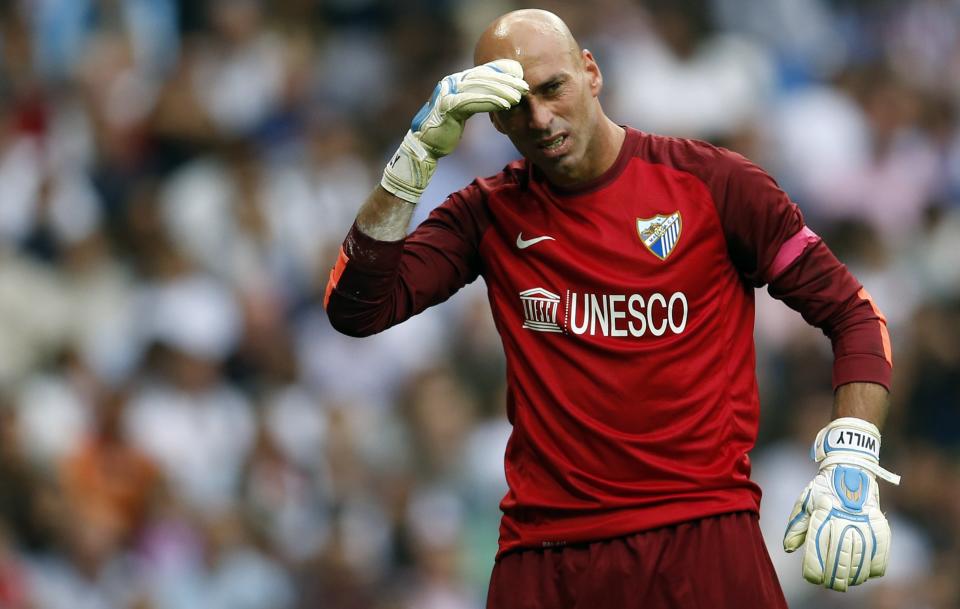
409,171
871,466
852,441
852,435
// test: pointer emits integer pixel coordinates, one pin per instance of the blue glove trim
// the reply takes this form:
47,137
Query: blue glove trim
800,514
852,486
839,546
427,107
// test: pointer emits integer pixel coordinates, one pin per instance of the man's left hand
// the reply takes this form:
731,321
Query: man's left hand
837,518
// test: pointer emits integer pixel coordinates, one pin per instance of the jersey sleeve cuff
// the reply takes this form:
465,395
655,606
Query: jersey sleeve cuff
371,256
862,368
366,269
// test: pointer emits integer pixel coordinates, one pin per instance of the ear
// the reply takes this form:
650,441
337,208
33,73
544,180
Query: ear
595,77
496,122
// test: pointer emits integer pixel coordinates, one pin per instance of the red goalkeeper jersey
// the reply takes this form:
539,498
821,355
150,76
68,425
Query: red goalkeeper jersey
626,310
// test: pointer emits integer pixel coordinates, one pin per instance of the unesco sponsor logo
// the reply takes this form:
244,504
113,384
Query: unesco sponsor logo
614,315
540,310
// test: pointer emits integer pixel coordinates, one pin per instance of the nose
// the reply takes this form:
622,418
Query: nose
540,115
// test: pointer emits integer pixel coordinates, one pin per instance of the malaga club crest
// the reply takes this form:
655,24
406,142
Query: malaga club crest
660,233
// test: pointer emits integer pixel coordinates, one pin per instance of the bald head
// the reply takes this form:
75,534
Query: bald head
558,125
525,36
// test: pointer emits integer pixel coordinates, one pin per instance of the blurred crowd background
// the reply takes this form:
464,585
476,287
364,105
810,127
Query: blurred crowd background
180,427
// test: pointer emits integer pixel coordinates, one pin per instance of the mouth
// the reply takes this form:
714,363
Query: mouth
554,146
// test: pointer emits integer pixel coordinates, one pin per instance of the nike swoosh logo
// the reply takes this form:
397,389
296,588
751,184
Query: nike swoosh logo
525,243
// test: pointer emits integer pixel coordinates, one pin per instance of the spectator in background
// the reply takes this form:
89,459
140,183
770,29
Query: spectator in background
686,78
14,585
185,415
107,483
240,68
21,518
233,573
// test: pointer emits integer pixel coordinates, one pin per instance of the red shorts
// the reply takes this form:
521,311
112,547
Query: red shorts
718,562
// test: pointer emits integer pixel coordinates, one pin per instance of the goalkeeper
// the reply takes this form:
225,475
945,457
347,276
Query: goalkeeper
620,268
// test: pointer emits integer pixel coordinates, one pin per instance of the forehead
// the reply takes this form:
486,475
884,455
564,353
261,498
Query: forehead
539,68
541,49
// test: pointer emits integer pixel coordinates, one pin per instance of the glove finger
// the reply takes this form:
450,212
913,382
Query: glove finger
845,563
881,549
508,80
506,66
863,549
492,87
462,106
815,546
834,563
797,525
512,81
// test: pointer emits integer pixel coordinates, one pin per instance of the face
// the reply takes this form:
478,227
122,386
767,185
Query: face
555,124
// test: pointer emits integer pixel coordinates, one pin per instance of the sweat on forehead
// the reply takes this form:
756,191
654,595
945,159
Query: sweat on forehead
525,33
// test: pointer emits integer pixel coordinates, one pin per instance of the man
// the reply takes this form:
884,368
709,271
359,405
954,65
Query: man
620,268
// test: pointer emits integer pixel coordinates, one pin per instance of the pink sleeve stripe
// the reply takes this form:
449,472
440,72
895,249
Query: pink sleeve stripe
791,250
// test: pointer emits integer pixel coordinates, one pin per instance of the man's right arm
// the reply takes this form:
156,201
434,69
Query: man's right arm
385,216
360,294
381,277
375,240
379,281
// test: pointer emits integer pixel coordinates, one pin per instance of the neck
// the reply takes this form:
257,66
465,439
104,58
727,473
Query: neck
602,152
608,144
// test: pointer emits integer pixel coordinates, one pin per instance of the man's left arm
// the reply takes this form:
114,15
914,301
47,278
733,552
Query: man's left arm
867,401
837,518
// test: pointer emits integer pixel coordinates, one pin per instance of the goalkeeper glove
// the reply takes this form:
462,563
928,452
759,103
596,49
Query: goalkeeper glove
837,518
437,127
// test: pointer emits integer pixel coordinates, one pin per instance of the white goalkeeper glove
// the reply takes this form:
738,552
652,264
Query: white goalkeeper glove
837,518
437,127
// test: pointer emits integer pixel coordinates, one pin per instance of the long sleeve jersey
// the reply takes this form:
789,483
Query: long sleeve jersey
626,308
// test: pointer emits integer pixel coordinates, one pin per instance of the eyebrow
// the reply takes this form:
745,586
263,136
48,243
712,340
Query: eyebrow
552,80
